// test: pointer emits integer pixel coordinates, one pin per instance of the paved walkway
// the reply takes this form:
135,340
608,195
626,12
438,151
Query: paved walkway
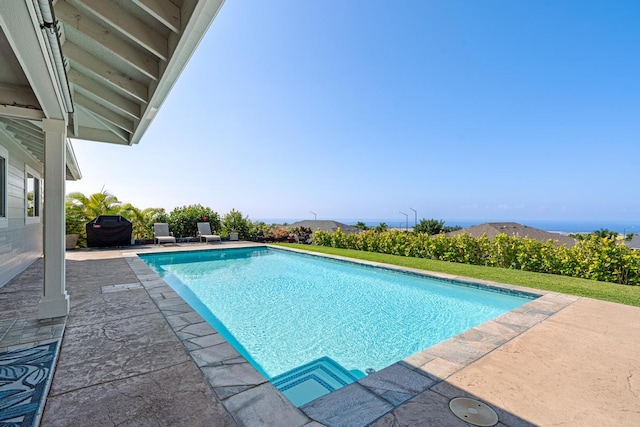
134,354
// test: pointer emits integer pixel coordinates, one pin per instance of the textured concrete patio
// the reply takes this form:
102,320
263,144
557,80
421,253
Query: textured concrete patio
135,354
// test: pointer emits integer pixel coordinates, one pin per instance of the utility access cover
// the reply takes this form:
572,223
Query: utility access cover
473,411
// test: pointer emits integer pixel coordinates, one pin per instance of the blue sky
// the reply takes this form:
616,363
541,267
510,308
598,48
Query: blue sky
462,110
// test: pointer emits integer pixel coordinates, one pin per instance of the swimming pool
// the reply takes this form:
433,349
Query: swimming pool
311,324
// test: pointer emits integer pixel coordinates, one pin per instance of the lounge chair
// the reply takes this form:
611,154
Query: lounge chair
204,232
161,233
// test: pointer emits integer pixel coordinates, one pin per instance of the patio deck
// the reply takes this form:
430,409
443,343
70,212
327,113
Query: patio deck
134,354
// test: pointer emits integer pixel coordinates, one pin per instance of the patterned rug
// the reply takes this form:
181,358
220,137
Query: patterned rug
24,377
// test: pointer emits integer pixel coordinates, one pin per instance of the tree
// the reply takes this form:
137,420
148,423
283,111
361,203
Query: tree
260,229
75,219
142,220
382,227
80,209
434,226
234,221
102,203
361,226
429,226
605,232
183,221
450,228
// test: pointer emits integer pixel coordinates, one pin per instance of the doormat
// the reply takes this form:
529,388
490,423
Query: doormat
24,380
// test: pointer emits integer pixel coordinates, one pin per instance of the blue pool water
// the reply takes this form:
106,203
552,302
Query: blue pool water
293,315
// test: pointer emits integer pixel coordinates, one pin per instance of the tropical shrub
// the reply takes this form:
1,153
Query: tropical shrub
606,259
323,238
429,226
382,227
260,230
75,219
183,221
80,209
102,203
142,220
433,226
597,258
303,233
161,216
361,226
278,234
234,221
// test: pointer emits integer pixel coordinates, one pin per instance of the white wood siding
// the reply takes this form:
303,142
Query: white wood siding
20,243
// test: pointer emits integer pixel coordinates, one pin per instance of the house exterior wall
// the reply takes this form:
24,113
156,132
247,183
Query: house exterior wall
20,240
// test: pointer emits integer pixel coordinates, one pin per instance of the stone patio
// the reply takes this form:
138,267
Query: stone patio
134,353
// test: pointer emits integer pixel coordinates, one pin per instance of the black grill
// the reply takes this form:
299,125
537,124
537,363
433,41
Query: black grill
109,230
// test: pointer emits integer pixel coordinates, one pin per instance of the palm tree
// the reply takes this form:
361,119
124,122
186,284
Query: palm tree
102,203
141,220
605,232
429,226
361,226
75,219
382,227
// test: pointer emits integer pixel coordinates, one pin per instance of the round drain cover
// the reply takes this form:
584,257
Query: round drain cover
473,411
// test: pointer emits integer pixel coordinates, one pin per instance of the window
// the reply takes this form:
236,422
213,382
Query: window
4,166
32,196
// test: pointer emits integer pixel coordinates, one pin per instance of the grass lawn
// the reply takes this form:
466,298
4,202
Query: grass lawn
622,294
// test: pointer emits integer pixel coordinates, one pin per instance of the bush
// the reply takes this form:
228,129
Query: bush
279,234
598,258
303,233
260,230
429,226
75,220
234,221
183,221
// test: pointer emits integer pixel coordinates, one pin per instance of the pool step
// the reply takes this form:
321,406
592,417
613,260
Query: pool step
308,382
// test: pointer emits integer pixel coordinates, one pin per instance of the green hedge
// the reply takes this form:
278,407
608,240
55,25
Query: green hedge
595,258
183,221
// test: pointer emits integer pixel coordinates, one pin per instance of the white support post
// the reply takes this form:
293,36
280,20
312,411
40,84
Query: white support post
55,301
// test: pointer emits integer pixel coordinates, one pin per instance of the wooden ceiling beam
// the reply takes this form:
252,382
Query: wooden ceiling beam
95,90
104,72
164,11
26,130
89,28
100,135
18,95
105,113
35,145
120,19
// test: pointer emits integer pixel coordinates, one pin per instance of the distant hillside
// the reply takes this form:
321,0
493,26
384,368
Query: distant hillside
492,229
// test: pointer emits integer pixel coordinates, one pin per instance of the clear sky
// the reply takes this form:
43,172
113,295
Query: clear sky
361,109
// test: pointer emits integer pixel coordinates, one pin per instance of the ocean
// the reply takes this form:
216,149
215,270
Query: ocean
560,226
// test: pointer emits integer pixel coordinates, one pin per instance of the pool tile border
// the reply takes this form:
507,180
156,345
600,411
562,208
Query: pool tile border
248,396
440,277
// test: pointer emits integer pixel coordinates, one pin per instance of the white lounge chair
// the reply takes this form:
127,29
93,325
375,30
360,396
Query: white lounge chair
204,232
161,233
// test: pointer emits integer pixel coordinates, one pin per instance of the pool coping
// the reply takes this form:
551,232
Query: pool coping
245,392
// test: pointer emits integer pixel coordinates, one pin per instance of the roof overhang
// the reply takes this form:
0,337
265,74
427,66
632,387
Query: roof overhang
104,66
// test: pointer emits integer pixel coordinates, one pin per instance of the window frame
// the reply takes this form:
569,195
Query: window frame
4,188
28,170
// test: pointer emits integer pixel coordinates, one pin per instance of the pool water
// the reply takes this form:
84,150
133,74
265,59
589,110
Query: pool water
308,322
